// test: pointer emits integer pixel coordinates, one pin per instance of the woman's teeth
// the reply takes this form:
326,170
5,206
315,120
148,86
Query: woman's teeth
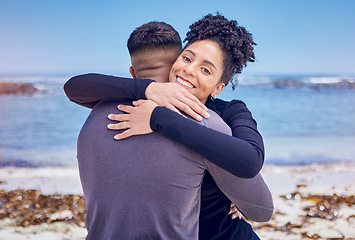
184,83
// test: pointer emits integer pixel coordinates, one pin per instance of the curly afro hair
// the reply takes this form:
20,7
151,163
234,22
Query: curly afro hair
235,41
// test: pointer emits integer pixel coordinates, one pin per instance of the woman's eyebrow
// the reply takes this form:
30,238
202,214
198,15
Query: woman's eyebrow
205,61
210,63
190,51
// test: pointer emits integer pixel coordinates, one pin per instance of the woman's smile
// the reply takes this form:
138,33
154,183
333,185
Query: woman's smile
184,83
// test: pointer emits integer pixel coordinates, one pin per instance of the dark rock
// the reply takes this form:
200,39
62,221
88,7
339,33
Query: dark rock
337,85
287,83
17,89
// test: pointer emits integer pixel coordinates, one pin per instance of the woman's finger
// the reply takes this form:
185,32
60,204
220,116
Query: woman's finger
236,215
195,100
118,117
126,134
118,126
186,109
197,107
139,102
233,209
125,108
172,108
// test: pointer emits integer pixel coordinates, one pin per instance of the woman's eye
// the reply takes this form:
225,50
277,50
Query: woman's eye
205,70
187,59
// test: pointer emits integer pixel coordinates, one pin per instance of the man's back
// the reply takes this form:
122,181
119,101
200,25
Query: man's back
144,187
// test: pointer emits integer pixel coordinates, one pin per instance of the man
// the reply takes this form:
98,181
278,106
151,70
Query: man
147,187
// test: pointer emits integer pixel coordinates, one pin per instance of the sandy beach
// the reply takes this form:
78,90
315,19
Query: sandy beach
311,202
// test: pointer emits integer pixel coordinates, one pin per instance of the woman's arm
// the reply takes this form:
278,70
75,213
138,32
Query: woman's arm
89,89
241,154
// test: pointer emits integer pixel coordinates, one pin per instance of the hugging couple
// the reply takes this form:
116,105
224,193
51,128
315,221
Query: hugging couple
160,156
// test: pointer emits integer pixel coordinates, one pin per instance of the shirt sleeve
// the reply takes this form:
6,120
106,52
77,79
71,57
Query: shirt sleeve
251,196
241,154
89,89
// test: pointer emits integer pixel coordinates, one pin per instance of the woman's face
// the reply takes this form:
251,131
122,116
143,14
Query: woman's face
199,69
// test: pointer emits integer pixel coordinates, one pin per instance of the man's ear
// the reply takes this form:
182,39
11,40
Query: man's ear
132,72
218,88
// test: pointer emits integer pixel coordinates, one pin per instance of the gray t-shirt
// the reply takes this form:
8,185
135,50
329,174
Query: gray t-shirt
145,187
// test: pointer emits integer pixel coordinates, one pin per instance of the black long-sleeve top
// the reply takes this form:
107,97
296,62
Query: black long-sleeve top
241,154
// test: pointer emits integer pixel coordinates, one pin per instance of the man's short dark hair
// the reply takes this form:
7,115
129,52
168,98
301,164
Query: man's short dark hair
153,36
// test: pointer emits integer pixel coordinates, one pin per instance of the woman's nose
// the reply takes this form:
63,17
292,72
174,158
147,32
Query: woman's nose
190,69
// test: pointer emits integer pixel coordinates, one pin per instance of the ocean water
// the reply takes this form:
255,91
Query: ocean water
300,125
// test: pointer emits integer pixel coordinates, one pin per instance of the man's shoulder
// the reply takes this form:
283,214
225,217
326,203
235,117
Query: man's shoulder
97,119
216,123
109,103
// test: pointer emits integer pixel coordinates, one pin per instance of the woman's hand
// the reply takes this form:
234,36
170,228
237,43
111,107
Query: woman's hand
174,97
234,211
137,120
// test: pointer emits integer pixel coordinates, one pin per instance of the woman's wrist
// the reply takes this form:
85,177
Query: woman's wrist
149,90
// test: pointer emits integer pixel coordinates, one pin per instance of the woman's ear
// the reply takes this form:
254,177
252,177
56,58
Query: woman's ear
132,72
217,89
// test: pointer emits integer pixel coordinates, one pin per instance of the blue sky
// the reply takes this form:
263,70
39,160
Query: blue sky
303,37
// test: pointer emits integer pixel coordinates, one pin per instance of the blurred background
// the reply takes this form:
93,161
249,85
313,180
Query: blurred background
300,89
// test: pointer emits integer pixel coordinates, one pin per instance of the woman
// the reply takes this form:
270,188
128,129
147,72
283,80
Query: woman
237,50
216,50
